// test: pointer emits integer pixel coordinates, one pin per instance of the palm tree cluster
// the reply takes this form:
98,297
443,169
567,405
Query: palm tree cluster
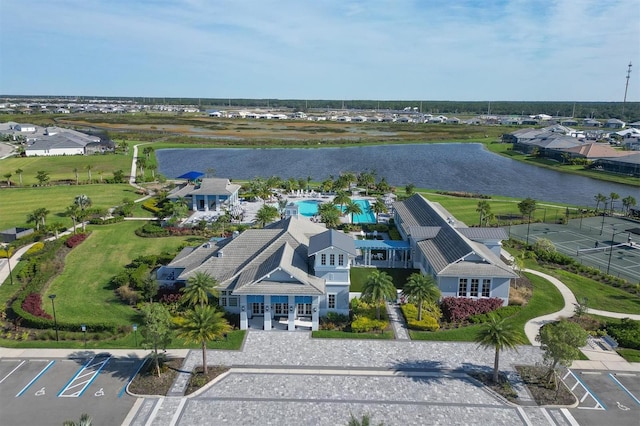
627,202
379,288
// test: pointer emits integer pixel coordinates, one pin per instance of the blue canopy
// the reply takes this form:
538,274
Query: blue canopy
191,175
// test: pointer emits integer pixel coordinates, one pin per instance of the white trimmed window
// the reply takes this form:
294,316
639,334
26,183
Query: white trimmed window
331,301
332,259
341,260
323,259
233,301
462,287
475,283
486,288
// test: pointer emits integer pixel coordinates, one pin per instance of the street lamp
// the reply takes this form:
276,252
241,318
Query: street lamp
84,332
135,335
55,320
611,246
603,213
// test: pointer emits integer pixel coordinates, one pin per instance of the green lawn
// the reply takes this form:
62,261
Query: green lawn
17,203
545,300
359,276
631,355
61,167
599,296
83,291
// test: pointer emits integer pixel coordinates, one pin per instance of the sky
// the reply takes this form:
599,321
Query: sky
490,50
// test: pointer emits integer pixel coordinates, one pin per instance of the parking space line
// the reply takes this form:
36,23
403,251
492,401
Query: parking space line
93,374
569,417
154,413
124,388
624,388
13,371
24,389
176,415
547,416
588,392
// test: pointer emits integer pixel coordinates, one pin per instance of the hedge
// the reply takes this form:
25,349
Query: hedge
461,308
410,312
108,221
364,324
151,205
626,333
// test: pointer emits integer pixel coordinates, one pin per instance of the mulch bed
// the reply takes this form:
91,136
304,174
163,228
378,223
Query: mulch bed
198,379
542,393
147,382
503,387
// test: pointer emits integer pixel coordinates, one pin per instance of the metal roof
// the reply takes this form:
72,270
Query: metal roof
331,238
381,244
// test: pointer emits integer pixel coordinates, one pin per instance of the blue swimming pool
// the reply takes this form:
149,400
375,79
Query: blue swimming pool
309,208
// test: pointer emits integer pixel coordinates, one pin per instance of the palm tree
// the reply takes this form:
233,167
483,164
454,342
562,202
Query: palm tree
378,288
19,172
484,208
141,162
75,170
7,176
329,214
600,198
366,180
349,178
200,325
85,420
341,199
628,202
419,289
613,197
82,201
89,168
409,189
266,214
72,211
500,335
153,167
352,208
378,207
199,286
38,216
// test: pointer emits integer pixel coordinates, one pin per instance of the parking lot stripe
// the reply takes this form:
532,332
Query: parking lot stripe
35,378
599,404
624,388
521,412
124,388
547,416
12,371
176,415
154,413
85,384
569,417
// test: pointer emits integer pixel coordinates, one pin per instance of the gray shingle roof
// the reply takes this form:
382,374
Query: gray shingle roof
331,238
484,233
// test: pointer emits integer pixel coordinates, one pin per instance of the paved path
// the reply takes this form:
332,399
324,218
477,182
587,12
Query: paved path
396,319
8,265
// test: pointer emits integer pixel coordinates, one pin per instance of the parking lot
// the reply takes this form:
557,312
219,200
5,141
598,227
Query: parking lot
606,397
50,391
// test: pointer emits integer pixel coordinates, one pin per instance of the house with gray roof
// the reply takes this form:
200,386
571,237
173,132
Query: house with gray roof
285,275
465,262
207,194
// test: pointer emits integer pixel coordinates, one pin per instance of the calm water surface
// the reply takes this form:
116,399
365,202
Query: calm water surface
451,166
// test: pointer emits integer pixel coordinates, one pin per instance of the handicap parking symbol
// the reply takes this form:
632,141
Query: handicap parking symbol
100,392
40,392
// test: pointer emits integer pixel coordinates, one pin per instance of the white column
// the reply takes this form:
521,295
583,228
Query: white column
217,203
315,313
267,312
244,321
292,314
206,203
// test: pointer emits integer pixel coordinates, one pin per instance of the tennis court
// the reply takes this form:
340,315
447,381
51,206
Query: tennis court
608,243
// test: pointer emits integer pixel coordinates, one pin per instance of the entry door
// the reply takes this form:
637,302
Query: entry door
257,308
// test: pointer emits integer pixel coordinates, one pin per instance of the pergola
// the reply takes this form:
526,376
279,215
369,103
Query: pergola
391,247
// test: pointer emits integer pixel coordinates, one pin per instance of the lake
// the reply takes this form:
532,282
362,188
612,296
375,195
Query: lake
448,166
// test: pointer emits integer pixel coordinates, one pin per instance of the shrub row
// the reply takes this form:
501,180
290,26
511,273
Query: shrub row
33,304
151,205
35,248
363,324
108,221
626,333
461,308
500,313
428,322
464,194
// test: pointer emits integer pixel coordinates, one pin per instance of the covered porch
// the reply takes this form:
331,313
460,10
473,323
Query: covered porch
384,253
283,312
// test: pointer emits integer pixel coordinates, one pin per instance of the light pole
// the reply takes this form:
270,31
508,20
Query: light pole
603,213
84,332
55,320
611,247
135,335
528,225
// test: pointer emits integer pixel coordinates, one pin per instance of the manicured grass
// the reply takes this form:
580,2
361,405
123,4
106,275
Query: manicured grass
359,276
545,299
599,296
631,355
17,203
333,334
61,167
76,341
83,290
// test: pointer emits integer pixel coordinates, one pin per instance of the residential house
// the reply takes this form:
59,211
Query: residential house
465,262
614,123
207,194
285,275
627,165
